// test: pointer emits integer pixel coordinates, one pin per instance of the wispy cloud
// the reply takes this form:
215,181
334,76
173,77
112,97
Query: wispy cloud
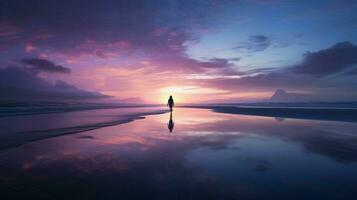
254,43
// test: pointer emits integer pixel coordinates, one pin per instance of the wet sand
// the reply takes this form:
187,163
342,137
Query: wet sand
330,114
208,155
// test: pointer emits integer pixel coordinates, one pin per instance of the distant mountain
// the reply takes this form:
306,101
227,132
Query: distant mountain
281,95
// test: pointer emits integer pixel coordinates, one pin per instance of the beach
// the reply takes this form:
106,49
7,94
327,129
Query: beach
210,155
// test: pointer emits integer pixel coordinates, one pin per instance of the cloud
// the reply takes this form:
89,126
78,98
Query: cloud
321,89
148,25
351,72
328,61
215,63
254,43
309,77
179,63
120,33
219,66
44,65
17,83
124,33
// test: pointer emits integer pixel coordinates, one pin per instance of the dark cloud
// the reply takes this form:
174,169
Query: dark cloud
216,63
310,76
18,83
153,25
329,61
254,43
44,65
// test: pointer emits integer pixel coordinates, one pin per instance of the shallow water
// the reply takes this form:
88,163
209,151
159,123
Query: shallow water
207,155
20,129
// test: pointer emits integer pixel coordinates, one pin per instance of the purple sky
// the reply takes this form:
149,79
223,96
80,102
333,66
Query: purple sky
196,50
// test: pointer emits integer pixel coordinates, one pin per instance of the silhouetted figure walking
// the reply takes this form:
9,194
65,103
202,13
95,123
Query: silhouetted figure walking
171,123
170,103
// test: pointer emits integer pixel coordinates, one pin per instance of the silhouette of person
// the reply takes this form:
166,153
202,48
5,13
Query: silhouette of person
171,123
170,103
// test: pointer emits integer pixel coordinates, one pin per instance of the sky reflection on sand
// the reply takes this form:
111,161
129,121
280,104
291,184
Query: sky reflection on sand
207,155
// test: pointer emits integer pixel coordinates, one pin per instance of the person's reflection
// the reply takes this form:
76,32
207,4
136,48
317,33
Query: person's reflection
171,123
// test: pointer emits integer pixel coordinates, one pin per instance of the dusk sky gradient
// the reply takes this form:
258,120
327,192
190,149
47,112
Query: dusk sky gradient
197,50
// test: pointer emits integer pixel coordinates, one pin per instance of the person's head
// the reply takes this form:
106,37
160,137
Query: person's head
170,96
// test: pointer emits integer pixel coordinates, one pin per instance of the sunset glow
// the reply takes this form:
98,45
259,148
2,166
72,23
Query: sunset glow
204,51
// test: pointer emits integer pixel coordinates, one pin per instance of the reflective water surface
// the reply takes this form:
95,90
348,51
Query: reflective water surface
192,154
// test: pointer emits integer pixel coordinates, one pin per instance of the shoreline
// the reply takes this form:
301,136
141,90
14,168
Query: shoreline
32,136
325,114
42,110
